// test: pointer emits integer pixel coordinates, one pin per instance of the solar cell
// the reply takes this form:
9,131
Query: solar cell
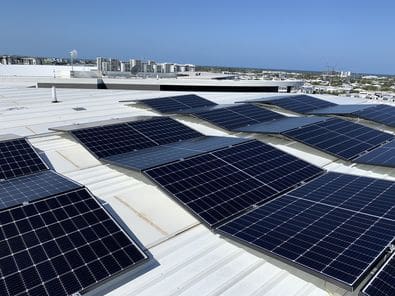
61,245
383,282
17,158
384,114
339,137
383,155
176,103
35,186
164,130
335,243
216,186
235,116
112,139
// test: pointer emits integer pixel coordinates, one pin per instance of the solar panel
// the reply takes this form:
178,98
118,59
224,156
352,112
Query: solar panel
295,103
328,238
176,103
339,137
61,245
236,116
384,114
383,155
164,130
281,125
17,158
383,282
216,186
159,155
35,186
112,139
342,109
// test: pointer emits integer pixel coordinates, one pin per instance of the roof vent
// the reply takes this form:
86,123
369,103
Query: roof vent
79,108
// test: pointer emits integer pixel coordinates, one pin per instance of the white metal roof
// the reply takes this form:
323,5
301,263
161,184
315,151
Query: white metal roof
190,259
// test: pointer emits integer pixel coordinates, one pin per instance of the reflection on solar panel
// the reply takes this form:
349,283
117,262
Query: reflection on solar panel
328,226
381,113
299,103
28,188
176,103
112,139
164,130
237,116
216,186
17,158
61,245
383,282
383,155
158,155
339,137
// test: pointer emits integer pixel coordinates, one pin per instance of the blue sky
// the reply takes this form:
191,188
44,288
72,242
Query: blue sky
307,35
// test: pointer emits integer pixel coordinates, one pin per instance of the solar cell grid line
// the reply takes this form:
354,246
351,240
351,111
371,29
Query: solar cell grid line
383,282
339,137
269,165
35,186
370,196
384,114
114,139
164,130
209,187
217,185
18,158
337,244
61,245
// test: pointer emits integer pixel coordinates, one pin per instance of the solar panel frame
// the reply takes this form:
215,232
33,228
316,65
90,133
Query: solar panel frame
383,114
383,155
382,280
70,255
10,156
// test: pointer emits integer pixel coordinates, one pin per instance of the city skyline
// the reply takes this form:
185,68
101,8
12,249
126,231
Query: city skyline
304,36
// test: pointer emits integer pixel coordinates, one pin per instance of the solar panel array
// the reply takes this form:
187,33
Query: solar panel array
238,116
217,185
383,282
114,139
340,137
299,103
176,103
61,245
17,158
384,114
327,226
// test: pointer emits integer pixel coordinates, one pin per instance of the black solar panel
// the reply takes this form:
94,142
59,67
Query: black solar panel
164,130
28,188
384,114
17,158
299,103
159,155
334,242
383,155
61,245
383,282
238,116
215,186
112,139
176,103
339,137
